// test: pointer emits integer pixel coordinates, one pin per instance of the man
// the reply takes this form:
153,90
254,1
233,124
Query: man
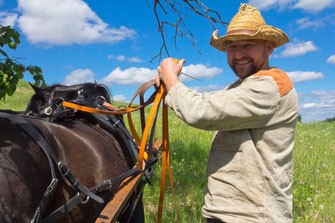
250,162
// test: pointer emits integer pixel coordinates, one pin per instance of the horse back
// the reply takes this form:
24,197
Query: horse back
92,154
23,173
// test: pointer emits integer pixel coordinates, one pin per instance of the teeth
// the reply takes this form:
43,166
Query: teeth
241,63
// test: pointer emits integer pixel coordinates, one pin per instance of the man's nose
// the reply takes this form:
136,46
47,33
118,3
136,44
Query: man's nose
240,53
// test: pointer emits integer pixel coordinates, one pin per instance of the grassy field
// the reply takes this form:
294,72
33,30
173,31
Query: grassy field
314,169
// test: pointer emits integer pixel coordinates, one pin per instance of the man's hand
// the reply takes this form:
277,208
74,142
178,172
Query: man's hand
168,72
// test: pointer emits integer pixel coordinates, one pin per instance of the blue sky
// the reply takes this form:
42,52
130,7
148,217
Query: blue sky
112,42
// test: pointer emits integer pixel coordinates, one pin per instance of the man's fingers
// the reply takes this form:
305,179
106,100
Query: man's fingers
181,62
157,81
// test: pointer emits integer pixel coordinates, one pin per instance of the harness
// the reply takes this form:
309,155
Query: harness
106,119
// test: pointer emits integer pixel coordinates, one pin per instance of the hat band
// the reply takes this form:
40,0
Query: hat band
242,31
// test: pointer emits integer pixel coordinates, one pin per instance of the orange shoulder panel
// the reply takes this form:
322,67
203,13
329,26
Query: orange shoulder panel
282,80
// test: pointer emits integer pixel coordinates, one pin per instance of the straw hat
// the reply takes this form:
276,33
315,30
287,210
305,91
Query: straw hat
248,23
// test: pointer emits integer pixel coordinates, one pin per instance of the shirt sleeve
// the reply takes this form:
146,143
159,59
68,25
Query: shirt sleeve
252,104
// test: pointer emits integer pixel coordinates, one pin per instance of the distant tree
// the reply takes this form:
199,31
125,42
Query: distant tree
11,70
330,120
299,118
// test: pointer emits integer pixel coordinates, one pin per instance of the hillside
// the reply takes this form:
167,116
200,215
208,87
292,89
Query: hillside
19,100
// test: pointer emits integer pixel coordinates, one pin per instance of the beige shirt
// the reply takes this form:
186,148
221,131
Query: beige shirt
250,162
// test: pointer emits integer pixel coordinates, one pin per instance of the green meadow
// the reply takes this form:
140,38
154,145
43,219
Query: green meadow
314,168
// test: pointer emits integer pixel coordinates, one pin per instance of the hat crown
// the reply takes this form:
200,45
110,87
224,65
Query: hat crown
247,18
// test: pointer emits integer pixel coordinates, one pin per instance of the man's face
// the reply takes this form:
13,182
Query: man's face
247,57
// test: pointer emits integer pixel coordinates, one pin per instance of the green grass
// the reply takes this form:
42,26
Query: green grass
314,172
314,168
19,100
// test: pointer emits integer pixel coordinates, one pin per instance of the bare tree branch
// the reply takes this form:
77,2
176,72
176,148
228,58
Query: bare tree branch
179,9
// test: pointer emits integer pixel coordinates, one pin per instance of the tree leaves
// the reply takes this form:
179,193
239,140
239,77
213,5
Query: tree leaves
11,70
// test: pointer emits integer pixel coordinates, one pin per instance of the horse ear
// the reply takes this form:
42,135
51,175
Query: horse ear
36,89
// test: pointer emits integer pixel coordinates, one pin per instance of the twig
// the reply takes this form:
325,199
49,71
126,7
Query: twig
180,27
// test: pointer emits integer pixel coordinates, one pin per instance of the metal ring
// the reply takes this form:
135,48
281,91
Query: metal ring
48,110
81,92
59,104
100,97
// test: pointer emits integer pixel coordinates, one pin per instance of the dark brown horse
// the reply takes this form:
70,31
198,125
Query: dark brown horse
91,152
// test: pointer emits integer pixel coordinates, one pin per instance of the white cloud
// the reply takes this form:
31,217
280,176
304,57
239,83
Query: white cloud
79,76
135,60
317,105
267,4
123,58
69,66
331,59
314,105
132,76
119,97
313,6
301,76
305,23
200,71
307,5
65,22
7,18
327,97
297,49
139,75
120,58
209,88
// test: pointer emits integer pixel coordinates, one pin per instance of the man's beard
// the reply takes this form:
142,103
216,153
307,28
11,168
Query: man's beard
245,72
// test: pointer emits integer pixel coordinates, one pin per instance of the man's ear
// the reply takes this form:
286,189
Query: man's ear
269,48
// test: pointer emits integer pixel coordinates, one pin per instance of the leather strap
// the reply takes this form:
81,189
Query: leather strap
165,165
165,162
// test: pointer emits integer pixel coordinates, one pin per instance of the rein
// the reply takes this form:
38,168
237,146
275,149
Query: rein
156,98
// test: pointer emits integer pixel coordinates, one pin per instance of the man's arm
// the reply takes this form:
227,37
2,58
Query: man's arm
253,104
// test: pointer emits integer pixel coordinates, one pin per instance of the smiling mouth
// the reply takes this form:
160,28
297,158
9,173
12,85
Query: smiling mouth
242,62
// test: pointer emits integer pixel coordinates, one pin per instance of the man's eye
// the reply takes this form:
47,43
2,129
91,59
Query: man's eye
249,45
230,48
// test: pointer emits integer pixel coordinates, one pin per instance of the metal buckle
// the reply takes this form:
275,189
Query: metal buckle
109,182
84,201
61,165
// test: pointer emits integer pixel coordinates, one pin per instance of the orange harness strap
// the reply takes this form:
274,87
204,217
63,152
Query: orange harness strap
165,164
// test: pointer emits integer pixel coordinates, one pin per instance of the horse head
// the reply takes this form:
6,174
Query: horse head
47,100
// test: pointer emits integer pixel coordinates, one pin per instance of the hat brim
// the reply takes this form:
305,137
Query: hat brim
268,33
